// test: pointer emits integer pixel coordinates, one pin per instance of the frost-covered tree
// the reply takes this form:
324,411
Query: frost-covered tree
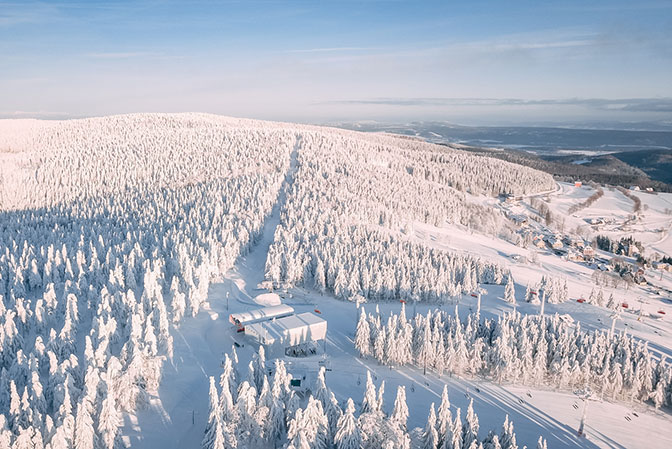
509,291
430,436
370,402
470,429
109,421
347,433
363,335
84,430
213,426
444,418
399,414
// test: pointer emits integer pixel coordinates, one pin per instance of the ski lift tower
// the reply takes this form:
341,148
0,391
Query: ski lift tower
616,315
415,299
586,395
478,293
641,301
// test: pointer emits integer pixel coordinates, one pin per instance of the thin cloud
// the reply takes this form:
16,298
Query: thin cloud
330,49
122,55
12,14
546,45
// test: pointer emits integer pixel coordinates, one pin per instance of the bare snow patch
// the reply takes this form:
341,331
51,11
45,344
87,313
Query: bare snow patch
268,299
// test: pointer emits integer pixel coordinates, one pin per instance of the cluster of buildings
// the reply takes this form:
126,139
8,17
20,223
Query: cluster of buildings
637,189
662,266
576,249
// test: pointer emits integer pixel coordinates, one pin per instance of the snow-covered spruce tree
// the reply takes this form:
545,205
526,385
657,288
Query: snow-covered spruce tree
507,437
363,335
347,433
109,421
214,415
444,418
399,414
509,290
523,348
430,436
454,435
84,431
471,426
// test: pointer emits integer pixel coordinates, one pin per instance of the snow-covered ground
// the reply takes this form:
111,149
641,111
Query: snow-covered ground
177,417
201,342
651,226
186,196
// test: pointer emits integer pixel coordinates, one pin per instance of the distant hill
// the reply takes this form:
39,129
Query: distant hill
603,169
535,139
618,157
657,164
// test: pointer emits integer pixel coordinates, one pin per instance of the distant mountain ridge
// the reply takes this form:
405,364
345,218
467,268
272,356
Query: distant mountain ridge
536,139
620,157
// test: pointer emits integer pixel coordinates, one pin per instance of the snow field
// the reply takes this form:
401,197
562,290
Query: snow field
578,277
651,227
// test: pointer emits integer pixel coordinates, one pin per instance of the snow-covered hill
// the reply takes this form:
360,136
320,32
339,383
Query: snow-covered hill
125,241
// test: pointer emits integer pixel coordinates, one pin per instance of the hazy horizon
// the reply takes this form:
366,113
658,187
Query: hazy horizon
485,63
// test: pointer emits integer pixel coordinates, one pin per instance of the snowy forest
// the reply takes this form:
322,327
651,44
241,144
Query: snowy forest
112,230
343,220
94,273
259,409
529,349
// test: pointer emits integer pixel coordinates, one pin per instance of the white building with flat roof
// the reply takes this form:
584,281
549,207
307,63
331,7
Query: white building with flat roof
288,331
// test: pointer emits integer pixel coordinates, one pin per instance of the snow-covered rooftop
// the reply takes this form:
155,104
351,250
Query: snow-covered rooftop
291,330
265,313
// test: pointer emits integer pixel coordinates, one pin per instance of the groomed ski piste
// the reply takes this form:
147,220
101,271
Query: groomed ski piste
176,413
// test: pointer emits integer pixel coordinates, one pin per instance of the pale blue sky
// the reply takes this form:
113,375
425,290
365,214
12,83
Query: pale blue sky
319,61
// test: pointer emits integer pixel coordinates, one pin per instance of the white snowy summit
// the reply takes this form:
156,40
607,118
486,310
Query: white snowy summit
191,280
